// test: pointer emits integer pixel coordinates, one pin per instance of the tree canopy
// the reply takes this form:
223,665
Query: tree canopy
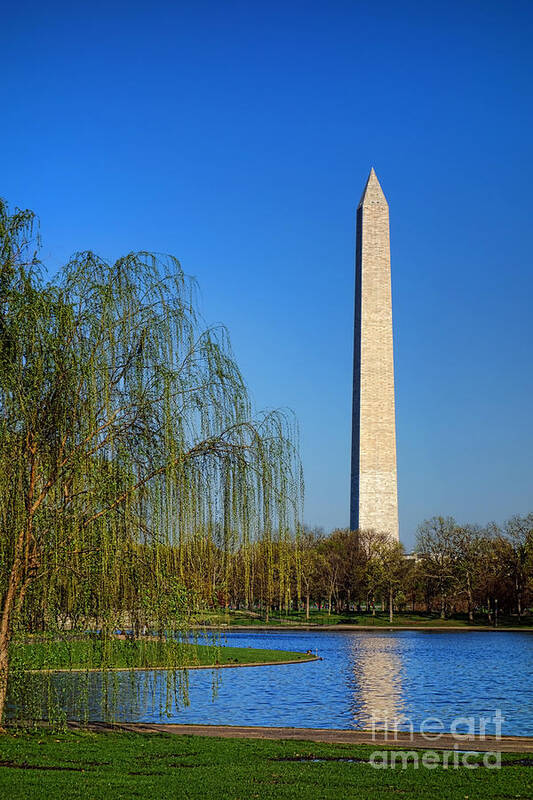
126,431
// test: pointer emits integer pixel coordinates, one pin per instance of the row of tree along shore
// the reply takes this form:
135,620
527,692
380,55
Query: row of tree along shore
482,575
455,569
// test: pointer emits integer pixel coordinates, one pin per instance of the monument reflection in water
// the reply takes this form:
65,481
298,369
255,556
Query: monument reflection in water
376,685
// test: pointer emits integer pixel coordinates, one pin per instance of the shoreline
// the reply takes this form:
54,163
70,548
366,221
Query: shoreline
167,669
376,628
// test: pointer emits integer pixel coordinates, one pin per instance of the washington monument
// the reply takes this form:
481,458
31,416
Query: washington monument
374,495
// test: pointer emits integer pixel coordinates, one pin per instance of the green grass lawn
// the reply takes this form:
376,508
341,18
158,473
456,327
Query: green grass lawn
243,618
127,654
88,766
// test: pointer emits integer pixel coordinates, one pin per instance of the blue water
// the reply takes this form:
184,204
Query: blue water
382,678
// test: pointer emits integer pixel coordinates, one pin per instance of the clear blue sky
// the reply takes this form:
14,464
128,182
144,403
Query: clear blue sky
238,136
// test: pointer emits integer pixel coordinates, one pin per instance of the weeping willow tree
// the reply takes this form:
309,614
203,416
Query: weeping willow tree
126,432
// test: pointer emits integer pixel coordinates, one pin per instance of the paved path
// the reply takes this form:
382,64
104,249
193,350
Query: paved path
405,740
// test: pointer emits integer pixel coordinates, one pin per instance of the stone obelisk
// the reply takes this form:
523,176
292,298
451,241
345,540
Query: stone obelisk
374,494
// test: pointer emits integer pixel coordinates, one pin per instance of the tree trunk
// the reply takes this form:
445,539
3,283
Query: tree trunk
14,585
470,600
390,604
4,673
307,606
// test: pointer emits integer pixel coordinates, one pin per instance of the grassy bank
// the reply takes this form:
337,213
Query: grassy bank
127,654
123,765
380,620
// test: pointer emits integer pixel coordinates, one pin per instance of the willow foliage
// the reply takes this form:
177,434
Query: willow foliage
126,432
